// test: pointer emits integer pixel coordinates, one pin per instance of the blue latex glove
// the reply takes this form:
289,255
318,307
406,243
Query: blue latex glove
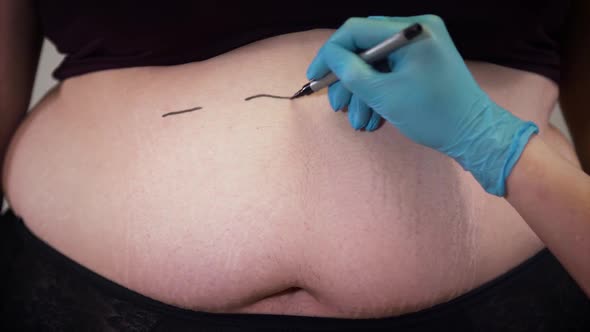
429,95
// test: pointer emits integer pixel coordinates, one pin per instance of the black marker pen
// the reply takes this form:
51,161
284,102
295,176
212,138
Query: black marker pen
374,54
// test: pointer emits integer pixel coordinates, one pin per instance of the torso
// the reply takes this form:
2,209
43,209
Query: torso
261,206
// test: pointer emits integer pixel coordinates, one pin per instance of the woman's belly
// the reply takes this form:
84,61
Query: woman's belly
266,205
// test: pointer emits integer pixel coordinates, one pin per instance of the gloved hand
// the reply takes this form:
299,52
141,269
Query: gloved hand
429,95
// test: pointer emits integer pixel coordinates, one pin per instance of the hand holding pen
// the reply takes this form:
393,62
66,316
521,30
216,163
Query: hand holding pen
430,95
370,56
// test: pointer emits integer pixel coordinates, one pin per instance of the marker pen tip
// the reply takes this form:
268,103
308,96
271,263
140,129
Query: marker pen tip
304,91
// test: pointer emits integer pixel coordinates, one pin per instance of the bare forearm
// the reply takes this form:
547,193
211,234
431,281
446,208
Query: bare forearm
553,197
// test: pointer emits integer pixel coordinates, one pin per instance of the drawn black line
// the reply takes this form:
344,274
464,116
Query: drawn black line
183,111
266,95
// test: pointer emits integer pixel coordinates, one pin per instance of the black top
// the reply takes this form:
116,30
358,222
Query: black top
97,35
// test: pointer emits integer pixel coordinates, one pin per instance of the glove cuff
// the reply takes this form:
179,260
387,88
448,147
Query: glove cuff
494,146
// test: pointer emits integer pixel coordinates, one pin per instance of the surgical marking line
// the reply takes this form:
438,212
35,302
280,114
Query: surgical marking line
266,95
183,111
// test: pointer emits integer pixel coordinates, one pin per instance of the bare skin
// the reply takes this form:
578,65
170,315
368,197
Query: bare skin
556,208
